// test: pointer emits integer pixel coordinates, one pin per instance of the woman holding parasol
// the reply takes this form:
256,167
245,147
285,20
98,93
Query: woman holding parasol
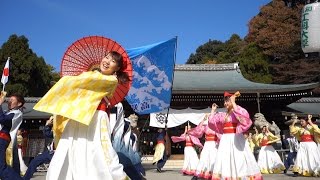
81,104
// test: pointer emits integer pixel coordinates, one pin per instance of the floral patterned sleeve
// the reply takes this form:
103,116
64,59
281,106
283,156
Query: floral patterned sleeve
216,123
243,117
197,131
176,139
196,141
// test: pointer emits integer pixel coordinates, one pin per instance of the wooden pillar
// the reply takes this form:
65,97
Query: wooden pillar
167,137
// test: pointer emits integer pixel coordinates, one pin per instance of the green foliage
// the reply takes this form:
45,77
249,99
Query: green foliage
253,62
271,49
206,52
55,75
231,49
29,74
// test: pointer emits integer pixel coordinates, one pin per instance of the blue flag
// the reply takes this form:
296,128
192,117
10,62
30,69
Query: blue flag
153,67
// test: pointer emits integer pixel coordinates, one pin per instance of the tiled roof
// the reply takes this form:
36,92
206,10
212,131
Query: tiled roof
30,113
217,78
206,67
309,100
308,105
206,78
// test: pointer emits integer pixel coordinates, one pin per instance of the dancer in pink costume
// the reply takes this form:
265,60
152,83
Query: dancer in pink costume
190,155
234,158
209,151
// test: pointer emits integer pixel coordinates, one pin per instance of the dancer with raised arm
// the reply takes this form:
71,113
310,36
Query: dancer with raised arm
269,160
234,157
8,123
209,151
12,156
191,159
317,133
308,156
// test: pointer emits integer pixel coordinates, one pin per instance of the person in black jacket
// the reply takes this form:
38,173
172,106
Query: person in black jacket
15,102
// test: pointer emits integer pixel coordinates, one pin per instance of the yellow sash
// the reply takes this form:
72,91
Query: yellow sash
76,98
9,155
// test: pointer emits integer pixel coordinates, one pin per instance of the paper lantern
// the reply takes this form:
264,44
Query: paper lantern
310,28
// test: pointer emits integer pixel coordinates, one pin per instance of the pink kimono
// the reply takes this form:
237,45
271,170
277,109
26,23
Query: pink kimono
201,129
234,158
239,118
190,155
209,151
190,139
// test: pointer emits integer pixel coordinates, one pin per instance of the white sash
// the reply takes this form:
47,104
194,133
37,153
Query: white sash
16,122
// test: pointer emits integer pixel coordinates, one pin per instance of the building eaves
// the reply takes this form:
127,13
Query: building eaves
217,78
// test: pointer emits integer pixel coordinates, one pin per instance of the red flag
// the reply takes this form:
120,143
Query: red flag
5,73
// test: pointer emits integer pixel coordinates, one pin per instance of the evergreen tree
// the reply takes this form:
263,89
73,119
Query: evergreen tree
207,52
29,74
253,62
231,49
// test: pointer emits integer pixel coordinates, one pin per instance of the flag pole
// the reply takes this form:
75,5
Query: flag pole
174,65
168,141
143,126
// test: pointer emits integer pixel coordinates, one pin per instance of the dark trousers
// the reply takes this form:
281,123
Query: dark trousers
162,161
289,161
132,172
45,157
6,172
129,168
15,163
140,169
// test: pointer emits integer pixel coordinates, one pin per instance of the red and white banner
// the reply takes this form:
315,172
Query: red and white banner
5,73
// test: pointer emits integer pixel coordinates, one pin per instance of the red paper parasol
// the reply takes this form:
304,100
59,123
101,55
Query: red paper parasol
86,53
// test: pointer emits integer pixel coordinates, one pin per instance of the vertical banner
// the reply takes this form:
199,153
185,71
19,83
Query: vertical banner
310,28
153,67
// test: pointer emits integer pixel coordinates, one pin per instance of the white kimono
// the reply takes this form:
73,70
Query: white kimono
85,152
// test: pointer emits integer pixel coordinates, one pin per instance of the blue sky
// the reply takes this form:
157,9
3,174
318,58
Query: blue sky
52,25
